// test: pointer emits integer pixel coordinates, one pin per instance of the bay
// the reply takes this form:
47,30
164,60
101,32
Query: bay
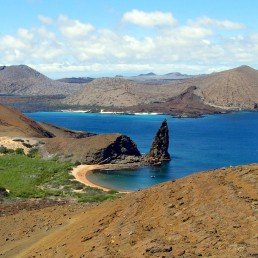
205,143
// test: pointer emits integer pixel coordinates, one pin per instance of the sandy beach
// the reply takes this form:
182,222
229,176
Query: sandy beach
80,173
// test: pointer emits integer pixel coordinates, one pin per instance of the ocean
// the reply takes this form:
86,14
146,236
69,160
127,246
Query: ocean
196,144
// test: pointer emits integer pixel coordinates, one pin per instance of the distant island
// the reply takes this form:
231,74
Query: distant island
173,93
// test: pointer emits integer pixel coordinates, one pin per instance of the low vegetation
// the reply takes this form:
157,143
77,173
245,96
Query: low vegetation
31,177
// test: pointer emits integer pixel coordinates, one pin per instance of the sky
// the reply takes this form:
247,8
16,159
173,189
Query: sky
104,38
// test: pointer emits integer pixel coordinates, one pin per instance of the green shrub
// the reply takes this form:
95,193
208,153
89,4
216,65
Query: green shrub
3,149
19,151
77,163
27,145
33,153
27,177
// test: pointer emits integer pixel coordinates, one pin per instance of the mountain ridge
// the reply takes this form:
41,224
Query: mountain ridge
23,80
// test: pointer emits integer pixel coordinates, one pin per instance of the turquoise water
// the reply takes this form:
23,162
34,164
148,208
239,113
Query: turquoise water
196,144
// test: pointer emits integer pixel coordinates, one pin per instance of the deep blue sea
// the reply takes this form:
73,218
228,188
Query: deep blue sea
196,144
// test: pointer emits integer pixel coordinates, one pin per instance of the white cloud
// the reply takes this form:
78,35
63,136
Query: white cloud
74,46
26,34
73,28
45,20
225,24
149,19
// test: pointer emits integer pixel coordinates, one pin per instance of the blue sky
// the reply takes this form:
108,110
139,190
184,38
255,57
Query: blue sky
96,38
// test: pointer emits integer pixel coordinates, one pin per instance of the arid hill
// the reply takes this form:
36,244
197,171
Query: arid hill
58,131
231,89
212,214
23,80
119,92
227,90
187,103
15,124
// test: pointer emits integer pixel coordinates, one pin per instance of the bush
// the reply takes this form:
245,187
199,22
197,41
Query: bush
77,163
33,153
27,145
3,149
19,151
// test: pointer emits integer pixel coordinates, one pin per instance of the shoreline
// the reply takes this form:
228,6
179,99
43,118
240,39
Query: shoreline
80,174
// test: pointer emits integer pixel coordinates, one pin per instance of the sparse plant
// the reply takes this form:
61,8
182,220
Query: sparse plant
19,151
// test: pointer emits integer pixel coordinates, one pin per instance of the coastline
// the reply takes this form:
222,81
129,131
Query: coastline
80,174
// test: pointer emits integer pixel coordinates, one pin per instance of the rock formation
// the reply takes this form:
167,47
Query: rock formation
3,192
98,149
159,149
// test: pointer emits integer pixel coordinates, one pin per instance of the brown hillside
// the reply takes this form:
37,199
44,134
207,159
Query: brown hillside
23,80
211,214
186,103
231,89
64,132
15,124
235,88
118,92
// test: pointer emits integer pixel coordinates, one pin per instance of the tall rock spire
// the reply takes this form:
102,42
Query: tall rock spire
160,144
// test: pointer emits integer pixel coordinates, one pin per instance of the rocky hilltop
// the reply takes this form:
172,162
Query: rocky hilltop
23,80
212,214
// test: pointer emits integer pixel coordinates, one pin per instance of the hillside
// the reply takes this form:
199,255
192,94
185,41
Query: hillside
14,124
119,92
210,214
186,103
227,90
235,88
23,80
231,89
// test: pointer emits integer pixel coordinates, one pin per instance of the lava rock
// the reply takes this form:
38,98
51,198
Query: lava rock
159,149
3,192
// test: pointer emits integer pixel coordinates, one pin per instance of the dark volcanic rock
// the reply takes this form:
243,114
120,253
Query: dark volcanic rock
159,148
3,192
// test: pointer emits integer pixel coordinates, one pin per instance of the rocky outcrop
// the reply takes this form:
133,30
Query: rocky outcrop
3,192
98,149
159,149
